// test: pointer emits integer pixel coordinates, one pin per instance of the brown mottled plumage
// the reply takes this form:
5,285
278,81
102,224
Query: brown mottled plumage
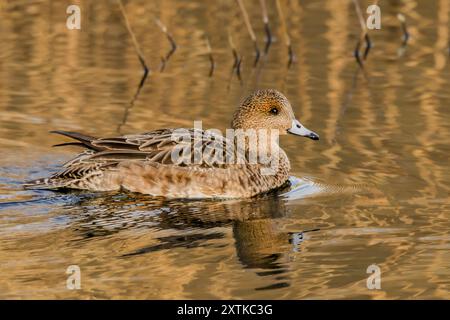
144,162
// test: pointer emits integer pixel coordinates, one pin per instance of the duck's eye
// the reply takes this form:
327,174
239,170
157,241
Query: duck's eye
274,111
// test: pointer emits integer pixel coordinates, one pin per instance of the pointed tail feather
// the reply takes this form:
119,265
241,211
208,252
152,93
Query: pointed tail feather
84,140
78,144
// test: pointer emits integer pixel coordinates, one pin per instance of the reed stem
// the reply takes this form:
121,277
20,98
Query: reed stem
250,30
266,26
135,43
211,57
173,44
287,39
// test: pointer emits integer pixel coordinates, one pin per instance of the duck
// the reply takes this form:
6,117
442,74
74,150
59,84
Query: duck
189,163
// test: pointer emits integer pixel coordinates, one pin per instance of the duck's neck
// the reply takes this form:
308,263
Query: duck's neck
262,148
256,139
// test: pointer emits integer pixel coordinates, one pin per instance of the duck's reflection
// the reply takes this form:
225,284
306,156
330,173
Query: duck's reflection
259,243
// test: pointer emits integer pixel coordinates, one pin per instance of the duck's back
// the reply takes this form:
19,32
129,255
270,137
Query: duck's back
175,163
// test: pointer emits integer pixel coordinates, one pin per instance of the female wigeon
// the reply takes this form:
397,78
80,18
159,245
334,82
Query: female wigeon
188,163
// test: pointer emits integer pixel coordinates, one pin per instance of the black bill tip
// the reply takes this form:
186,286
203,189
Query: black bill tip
313,136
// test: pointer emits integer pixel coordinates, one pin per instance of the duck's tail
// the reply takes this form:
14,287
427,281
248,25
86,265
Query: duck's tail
83,140
55,181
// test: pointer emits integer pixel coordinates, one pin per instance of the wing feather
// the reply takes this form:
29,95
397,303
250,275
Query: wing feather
198,148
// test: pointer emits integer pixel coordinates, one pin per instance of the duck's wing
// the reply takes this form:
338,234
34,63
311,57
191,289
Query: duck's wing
181,147
188,148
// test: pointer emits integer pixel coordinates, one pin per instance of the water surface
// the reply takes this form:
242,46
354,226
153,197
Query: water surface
374,189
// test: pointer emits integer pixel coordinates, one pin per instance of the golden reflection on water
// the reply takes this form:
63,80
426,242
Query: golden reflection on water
381,164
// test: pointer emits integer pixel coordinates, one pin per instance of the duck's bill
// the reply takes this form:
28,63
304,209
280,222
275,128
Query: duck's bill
300,130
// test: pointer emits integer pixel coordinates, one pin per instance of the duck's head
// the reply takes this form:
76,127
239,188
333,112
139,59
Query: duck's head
269,109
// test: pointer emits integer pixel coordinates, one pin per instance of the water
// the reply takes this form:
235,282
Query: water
373,190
